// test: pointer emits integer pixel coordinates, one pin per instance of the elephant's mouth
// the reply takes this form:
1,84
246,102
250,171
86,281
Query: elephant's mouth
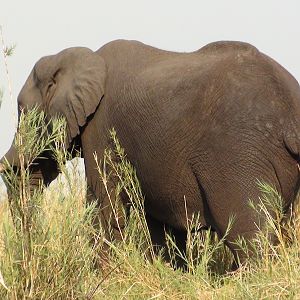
43,169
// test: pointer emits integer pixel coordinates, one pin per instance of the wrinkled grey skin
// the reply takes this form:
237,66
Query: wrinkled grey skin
201,126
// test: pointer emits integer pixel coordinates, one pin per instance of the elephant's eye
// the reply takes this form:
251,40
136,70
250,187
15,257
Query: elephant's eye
50,89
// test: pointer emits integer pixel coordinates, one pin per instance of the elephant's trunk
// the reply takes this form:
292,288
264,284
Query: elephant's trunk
10,158
42,172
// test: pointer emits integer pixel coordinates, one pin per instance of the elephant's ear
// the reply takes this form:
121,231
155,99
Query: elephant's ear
80,83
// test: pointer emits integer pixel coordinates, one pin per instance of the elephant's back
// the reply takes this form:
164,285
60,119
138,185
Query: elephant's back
227,46
225,88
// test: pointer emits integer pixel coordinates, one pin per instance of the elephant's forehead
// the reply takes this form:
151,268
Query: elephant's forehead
43,67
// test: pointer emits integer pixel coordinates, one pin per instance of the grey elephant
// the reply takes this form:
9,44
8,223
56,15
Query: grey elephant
200,128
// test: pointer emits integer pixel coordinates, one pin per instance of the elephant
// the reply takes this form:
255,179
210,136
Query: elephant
200,128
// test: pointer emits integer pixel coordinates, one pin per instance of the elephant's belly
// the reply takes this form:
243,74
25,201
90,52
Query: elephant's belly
172,197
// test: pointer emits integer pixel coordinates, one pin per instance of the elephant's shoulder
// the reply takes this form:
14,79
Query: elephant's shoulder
122,45
228,46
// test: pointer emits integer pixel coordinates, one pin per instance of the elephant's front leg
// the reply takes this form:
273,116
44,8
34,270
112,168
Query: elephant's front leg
109,220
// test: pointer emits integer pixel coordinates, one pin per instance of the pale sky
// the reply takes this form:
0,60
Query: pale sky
40,28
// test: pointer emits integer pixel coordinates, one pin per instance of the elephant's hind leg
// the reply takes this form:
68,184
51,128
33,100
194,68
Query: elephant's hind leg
239,223
159,233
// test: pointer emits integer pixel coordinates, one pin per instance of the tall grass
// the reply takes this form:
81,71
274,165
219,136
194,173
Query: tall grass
47,253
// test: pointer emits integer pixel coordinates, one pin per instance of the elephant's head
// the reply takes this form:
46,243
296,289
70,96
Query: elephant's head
69,84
